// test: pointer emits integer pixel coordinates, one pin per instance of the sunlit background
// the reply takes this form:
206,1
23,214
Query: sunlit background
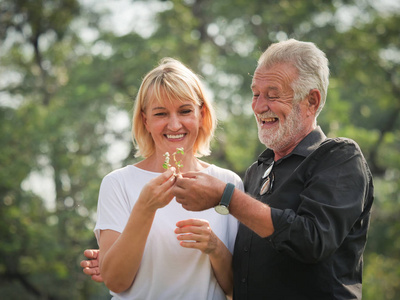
69,74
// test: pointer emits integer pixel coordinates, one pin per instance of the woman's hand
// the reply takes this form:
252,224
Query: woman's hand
197,234
157,192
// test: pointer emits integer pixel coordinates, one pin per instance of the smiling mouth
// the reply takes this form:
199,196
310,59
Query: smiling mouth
175,136
268,120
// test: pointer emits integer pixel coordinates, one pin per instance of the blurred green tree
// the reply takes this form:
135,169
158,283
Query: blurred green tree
65,105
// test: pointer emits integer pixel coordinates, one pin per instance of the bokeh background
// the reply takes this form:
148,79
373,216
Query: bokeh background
69,74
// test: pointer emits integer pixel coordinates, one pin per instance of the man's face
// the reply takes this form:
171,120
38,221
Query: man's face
280,121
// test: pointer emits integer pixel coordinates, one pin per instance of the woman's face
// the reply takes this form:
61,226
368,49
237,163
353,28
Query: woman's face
173,124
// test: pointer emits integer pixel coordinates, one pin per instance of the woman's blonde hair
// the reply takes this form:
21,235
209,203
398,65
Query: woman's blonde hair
171,81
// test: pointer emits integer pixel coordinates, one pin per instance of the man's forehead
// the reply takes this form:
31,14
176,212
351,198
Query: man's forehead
273,76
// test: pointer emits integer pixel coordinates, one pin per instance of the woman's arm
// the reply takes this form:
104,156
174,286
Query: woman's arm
121,253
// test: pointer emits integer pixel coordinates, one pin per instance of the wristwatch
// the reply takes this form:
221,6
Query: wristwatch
223,206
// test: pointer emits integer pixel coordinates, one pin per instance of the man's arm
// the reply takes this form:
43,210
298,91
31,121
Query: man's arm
197,191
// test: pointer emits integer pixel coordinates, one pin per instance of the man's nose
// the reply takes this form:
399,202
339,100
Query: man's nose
260,105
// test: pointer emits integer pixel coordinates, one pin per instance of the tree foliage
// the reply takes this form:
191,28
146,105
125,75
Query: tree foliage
67,85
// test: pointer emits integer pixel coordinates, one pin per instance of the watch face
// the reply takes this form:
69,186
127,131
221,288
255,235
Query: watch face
222,209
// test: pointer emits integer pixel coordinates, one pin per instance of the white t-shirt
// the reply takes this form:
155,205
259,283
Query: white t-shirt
167,270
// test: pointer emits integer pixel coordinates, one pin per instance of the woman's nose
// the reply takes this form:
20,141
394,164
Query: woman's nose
174,123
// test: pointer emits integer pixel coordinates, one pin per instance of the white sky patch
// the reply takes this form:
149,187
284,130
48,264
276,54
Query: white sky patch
119,149
128,16
42,184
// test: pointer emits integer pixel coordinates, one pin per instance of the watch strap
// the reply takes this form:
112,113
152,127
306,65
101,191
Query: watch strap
227,195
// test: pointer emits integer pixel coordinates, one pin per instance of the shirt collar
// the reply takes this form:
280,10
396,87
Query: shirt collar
304,148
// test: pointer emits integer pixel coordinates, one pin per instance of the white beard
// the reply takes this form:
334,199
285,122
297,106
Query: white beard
279,139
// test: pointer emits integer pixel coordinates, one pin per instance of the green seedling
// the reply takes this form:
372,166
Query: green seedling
178,163
166,165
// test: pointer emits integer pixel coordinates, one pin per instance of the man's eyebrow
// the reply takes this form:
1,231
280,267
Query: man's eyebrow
271,88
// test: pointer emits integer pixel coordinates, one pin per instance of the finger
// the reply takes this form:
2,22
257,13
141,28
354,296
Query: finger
191,174
168,175
191,237
97,278
192,245
91,271
89,263
195,222
193,226
85,263
169,182
183,182
91,253
195,230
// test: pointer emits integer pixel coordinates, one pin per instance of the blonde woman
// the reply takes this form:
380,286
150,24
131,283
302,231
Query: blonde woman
150,247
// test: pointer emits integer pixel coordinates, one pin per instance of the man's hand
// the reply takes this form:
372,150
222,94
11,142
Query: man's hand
198,191
91,266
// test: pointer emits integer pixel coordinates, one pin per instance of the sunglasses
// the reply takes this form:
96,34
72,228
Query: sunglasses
266,187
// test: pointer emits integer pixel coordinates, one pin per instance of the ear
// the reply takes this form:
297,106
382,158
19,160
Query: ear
202,114
144,120
314,100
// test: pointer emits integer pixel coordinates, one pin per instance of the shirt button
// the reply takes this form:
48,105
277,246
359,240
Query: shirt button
246,249
243,280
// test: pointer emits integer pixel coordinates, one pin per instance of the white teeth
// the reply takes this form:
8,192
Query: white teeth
178,136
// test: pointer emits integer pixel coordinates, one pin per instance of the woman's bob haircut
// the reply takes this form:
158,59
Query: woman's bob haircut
172,81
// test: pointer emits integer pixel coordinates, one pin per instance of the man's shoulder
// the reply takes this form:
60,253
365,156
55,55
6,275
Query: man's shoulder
341,144
336,151
252,168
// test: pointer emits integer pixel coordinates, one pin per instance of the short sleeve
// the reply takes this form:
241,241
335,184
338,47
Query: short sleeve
113,207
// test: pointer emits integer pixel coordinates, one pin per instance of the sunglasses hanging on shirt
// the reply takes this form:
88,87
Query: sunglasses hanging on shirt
266,187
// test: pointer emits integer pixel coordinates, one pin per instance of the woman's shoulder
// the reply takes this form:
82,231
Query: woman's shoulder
125,172
120,171
224,174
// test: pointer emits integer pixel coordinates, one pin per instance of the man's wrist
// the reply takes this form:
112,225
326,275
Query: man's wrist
223,206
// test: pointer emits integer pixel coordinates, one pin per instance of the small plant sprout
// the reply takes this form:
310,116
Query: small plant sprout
166,163
178,163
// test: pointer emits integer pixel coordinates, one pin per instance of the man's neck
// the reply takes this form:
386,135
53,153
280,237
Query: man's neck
278,154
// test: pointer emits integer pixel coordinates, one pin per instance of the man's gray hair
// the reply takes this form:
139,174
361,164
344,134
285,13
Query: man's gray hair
310,62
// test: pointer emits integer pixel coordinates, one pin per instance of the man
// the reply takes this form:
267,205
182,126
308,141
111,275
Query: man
305,214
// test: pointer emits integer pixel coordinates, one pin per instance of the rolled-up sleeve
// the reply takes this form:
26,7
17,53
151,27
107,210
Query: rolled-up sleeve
330,204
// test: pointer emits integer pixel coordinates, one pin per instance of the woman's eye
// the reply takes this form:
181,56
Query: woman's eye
160,114
186,111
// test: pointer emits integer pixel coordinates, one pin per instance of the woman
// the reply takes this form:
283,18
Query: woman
150,247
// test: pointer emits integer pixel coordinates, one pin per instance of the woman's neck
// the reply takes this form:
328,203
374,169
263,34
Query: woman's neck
155,163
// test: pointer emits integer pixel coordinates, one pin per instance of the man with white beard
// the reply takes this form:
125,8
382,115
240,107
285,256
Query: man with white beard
306,208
